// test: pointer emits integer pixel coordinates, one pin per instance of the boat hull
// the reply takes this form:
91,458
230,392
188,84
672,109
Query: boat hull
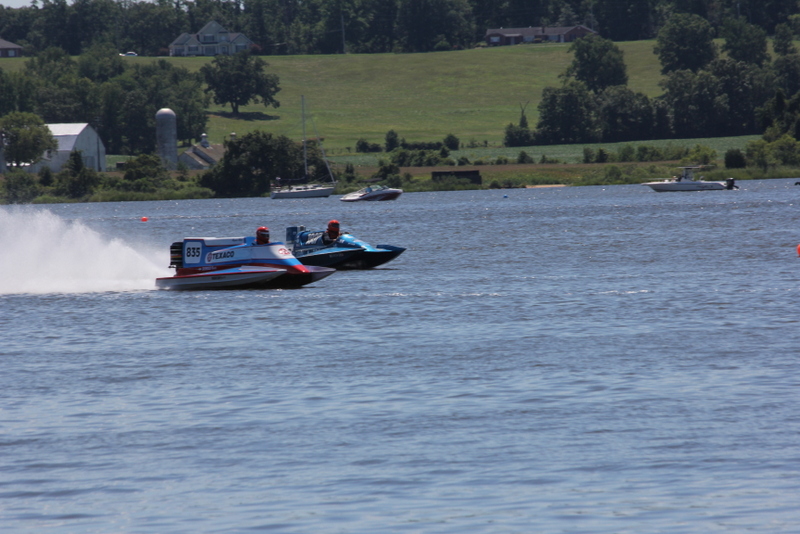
301,192
375,195
237,262
354,259
669,186
687,182
245,277
297,280
346,252
328,257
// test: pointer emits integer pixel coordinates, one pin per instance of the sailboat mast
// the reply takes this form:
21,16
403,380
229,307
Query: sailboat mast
305,157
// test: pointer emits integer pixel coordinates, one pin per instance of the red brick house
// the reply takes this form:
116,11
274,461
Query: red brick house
537,34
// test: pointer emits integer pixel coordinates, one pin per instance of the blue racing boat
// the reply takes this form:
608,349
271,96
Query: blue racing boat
236,263
345,252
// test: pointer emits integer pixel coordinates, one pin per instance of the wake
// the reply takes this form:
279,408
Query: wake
42,253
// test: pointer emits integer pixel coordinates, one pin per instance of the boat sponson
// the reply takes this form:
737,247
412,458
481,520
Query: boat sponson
330,256
295,280
370,259
245,277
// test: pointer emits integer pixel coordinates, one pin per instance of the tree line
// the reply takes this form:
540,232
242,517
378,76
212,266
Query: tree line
120,101
358,26
706,94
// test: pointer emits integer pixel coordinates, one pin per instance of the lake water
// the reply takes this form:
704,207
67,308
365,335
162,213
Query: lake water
594,359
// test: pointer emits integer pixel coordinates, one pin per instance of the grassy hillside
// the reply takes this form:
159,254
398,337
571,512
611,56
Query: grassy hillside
473,94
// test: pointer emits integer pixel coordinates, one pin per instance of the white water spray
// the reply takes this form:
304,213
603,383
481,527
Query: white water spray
42,253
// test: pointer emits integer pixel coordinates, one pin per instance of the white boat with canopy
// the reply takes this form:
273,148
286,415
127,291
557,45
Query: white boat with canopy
685,181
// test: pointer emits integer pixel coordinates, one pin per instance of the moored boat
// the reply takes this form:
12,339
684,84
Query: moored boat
378,192
686,182
306,190
302,191
345,252
236,263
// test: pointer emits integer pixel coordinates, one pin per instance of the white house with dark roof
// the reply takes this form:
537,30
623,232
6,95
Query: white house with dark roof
536,34
74,136
211,40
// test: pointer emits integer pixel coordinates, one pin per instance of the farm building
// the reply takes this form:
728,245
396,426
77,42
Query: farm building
9,49
537,34
74,136
203,155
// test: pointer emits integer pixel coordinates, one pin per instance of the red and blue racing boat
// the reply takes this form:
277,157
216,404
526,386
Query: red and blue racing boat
236,263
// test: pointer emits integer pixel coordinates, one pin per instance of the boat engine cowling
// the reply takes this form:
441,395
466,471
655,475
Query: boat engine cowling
176,254
291,234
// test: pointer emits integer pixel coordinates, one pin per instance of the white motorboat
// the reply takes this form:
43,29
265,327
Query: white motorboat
378,192
686,182
303,191
306,190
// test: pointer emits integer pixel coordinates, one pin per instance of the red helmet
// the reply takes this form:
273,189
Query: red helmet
262,235
333,227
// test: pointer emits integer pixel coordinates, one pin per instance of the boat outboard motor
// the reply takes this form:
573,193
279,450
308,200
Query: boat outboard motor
176,254
291,235
730,183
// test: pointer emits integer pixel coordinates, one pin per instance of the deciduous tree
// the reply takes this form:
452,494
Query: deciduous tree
697,104
251,162
597,62
747,87
392,141
426,25
685,42
76,180
787,72
567,114
26,138
624,115
744,42
7,98
240,79
130,102
624,20
783,42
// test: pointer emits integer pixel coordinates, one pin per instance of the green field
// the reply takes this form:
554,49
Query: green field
473,94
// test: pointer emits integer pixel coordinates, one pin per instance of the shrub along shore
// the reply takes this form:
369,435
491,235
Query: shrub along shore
568,165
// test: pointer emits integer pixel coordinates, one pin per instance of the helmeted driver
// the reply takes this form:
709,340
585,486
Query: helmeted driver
332,233
262,236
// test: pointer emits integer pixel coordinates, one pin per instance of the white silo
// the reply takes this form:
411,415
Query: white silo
167,137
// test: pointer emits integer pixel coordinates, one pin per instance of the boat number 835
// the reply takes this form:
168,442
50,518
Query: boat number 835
193,252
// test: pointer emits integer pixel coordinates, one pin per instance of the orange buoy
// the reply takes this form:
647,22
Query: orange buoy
144,219
798,250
